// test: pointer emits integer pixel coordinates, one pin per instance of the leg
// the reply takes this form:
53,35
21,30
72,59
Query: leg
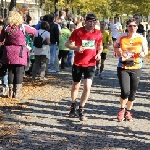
52,55
5,80
56,63
86,91
5,83
76,75
18,79
103,57
97,67
11,80
70,57
102,65
114,41
88,76
43,65
135,78
36,66
64,58
124,81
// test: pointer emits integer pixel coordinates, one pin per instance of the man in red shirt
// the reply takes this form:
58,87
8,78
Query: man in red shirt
88,47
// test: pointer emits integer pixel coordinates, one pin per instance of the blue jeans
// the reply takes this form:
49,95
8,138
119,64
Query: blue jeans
70,57
4,80
53,49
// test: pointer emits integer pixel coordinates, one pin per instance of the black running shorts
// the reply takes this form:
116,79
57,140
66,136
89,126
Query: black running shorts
103,55
77,72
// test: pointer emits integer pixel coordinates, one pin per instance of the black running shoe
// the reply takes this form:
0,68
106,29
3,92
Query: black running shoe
72,112
81,115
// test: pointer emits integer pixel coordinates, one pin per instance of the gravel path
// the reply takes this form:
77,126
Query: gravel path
43,124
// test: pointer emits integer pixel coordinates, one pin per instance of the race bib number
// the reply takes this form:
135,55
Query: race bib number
88,44
128,55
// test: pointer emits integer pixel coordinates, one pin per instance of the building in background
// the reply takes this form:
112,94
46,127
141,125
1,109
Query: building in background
30,9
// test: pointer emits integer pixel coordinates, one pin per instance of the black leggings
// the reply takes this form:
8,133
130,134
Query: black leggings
15,74
128,80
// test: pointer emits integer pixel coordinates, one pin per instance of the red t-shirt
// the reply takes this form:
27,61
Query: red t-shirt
89,41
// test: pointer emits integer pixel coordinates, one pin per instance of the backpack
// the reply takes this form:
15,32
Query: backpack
38,41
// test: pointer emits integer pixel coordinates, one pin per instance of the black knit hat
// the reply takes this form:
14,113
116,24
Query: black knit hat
90,16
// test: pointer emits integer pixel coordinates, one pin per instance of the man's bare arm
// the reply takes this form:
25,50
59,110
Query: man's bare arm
99,48
69,44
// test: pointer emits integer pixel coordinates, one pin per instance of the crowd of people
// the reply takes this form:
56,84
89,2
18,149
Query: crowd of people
82,43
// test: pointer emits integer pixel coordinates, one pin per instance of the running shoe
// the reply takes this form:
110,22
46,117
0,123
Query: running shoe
72,112
81,115
128,116
121,115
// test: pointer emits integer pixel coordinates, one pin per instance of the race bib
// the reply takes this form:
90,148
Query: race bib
88,44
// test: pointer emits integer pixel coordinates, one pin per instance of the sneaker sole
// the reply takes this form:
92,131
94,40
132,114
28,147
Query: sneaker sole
72,116
130,120
84,119
120,120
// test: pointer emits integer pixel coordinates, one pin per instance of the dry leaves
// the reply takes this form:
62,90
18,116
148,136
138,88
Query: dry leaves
147,58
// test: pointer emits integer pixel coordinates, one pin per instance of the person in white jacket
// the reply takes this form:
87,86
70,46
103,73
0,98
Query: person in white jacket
42,54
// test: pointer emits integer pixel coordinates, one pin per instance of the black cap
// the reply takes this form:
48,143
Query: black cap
90,16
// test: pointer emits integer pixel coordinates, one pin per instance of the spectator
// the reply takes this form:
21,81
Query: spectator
63,50
15,53
54,41
140,29
42,54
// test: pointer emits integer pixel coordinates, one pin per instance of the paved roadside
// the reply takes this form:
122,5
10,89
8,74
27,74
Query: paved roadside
42,123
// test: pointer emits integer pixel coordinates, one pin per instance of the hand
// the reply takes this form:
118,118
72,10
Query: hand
142,54
79,49
119,52
98,56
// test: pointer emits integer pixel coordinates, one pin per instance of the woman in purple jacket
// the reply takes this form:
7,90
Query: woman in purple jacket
15,53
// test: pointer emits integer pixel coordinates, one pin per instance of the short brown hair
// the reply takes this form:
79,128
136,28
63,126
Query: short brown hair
130,20
103,22
44,25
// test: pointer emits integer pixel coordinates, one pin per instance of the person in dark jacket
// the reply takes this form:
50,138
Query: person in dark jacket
54,40
140,29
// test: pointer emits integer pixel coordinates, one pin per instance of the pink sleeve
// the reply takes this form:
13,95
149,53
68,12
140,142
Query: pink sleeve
30,30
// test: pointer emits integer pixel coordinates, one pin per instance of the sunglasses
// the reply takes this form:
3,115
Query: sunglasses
132,26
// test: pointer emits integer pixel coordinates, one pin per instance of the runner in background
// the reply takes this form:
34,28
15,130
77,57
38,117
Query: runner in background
140,29
106,43
115,30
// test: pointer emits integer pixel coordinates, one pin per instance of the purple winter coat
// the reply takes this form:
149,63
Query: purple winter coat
15,51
